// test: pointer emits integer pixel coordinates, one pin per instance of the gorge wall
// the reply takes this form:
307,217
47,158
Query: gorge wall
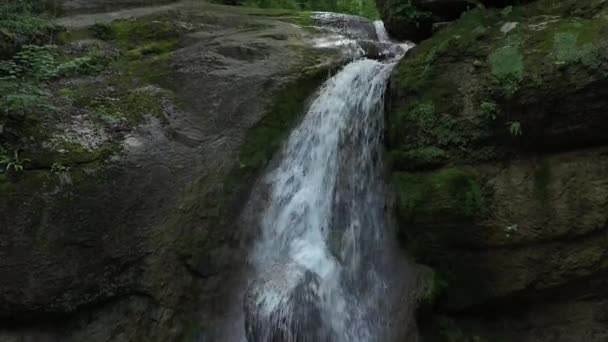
499,163
123,224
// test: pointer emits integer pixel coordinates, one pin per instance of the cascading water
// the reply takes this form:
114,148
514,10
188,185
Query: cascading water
319,265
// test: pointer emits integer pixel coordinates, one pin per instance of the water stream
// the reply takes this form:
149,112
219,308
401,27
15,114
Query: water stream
320,269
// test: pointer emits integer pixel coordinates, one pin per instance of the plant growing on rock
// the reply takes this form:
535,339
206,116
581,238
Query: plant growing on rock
490,109
515,128
13,161
58,168
507,68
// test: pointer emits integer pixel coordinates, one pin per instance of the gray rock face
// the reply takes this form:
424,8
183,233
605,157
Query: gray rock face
135,242
79,6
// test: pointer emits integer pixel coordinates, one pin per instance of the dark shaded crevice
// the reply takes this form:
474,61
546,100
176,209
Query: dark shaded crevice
588,288
568,238
56,319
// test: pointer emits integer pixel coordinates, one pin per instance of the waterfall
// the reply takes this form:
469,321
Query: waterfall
319,263
381,31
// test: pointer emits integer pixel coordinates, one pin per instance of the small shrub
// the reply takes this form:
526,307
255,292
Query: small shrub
490,109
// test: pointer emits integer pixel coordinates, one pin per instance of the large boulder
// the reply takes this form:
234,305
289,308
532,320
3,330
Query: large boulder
123,225
498,159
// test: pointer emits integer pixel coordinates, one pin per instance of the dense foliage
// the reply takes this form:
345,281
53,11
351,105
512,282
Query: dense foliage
29,61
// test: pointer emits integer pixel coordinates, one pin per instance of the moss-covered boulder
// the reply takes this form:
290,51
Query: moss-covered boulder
480,88
497,154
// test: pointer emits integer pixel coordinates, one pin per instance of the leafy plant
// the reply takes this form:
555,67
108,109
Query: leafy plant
13,161
21,25
430,58
515,128
78,66
58,168
490,109
23,98
38,62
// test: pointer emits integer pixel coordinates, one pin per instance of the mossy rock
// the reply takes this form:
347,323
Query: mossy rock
417,159
517,60
265,138
446,194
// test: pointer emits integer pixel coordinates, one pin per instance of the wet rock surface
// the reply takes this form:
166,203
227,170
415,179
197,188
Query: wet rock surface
141,242
87,6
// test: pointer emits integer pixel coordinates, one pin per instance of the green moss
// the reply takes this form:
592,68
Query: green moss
423,124
65,91
301,18
449,192
417,159
153,69
265,138
129,109
507,68
134,32
430,81
74,36
434,284
151,48
445,329
69,154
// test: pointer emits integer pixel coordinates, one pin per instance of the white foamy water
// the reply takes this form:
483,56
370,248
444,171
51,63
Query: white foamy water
381,31
318,257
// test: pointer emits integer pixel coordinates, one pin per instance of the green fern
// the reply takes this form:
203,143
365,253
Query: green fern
13,162
515,128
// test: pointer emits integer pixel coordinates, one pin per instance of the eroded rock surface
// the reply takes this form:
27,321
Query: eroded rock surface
134,236
499,169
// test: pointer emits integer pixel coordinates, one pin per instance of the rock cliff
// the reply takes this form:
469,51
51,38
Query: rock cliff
123,224
498,160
